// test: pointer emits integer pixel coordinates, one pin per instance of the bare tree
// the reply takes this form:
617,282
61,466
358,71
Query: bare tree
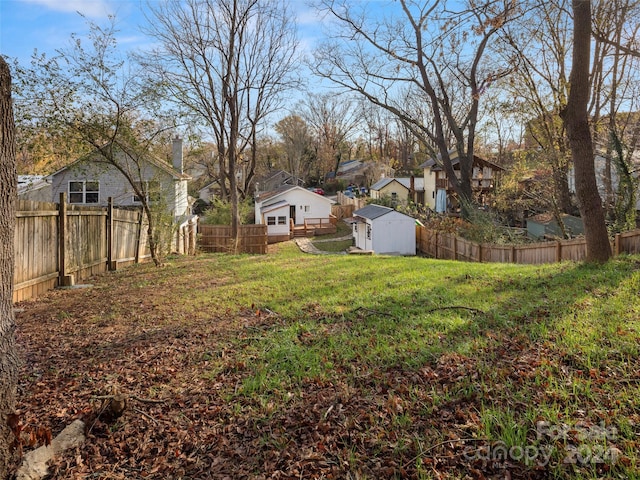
297,142
615,24
378,125
95,94
406,147
541,43
227,63
614,87
333,119
576,119
434,51
8,195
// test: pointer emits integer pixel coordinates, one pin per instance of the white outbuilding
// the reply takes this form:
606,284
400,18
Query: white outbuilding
292,206
384,230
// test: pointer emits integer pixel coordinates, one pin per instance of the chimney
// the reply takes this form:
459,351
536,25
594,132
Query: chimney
178,162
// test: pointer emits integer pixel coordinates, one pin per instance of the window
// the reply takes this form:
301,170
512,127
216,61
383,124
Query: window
152,190
307,208
271,220
282,220
84,192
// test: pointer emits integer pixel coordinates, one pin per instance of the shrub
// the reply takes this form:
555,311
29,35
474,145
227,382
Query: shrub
219,213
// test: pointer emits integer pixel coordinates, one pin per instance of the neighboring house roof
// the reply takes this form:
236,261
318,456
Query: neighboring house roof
348,165
351,166
264,196
383,182
23,179
371,212
276,179
209,185
418,183
156,162
436,163
279,173
352,169
31,182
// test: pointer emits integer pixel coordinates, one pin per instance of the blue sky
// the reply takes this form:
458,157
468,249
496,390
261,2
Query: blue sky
47,25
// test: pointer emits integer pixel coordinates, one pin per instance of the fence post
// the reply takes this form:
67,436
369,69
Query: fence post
558,251
455,247
139,236
617,245
436,245
111,265
64,280
193,226
480,252
513,254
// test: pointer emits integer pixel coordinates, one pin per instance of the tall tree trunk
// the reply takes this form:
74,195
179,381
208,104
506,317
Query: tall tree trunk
152,234
561,186
8,194
576,120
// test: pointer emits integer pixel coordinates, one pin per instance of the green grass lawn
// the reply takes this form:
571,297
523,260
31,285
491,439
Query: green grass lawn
399,367
556,344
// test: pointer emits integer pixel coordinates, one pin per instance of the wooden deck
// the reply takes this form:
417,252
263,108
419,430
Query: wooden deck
315,226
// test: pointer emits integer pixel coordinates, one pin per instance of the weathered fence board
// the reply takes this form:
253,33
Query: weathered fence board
629,242
126,229
342,211
217,238
95,239
447,246
85,242
356,202
36,250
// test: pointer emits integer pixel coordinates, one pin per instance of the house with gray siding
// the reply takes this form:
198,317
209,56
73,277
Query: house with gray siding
36,188
276,179
91,181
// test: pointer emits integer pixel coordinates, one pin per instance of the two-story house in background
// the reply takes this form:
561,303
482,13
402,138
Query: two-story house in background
92,181
438,192
400,190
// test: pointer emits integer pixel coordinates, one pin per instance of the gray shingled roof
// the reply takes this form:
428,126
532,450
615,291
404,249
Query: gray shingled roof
372,211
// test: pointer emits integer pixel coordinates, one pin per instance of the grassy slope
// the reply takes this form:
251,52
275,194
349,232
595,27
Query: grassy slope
572,330
410,367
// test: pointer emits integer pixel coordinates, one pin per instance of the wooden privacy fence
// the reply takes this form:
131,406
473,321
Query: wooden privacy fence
357,202
60,244
451,247
217,238
342,211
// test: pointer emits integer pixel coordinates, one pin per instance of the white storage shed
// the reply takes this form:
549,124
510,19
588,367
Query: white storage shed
384,230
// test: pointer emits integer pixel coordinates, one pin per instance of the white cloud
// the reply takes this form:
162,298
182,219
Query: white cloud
90,8
309,16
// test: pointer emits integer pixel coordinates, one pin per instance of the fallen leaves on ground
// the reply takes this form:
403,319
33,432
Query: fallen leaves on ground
385,422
